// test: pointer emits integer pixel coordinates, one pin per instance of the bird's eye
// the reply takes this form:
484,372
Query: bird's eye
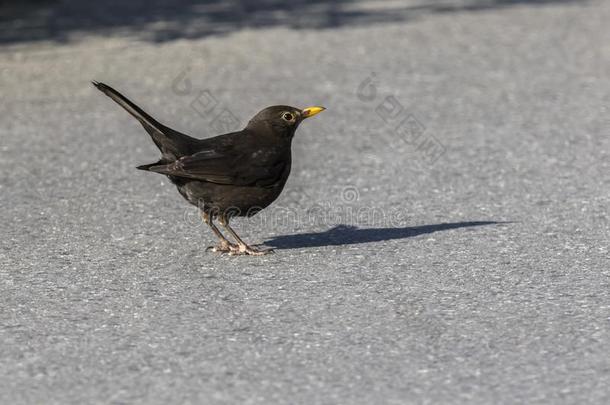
287,116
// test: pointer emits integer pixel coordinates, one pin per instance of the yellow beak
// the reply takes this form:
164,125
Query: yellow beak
311,111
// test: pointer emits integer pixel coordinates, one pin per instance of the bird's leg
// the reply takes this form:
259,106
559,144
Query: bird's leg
224,246
242,247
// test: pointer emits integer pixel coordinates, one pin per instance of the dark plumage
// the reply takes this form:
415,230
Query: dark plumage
235,174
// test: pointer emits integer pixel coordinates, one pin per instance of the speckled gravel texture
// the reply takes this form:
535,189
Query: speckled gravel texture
474,271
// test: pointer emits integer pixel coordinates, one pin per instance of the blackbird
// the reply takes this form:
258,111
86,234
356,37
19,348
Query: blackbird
235,174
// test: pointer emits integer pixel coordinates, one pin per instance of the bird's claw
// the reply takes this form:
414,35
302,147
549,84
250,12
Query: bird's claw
237,250
250,251
222,248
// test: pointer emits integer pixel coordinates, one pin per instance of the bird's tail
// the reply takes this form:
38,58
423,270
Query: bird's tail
172,144
146,120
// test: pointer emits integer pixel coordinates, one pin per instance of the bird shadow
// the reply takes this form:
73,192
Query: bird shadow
350,235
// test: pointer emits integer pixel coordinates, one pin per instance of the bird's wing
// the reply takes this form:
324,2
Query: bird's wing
229,163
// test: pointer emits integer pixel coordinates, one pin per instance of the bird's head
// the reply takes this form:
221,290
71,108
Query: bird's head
281,120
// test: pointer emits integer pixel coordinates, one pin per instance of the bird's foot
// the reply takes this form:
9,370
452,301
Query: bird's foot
222,248
249,250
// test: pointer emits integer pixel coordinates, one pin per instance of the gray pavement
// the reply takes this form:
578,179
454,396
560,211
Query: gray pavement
443,237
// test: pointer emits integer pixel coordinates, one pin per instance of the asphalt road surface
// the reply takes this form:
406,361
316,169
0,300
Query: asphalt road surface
443,237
